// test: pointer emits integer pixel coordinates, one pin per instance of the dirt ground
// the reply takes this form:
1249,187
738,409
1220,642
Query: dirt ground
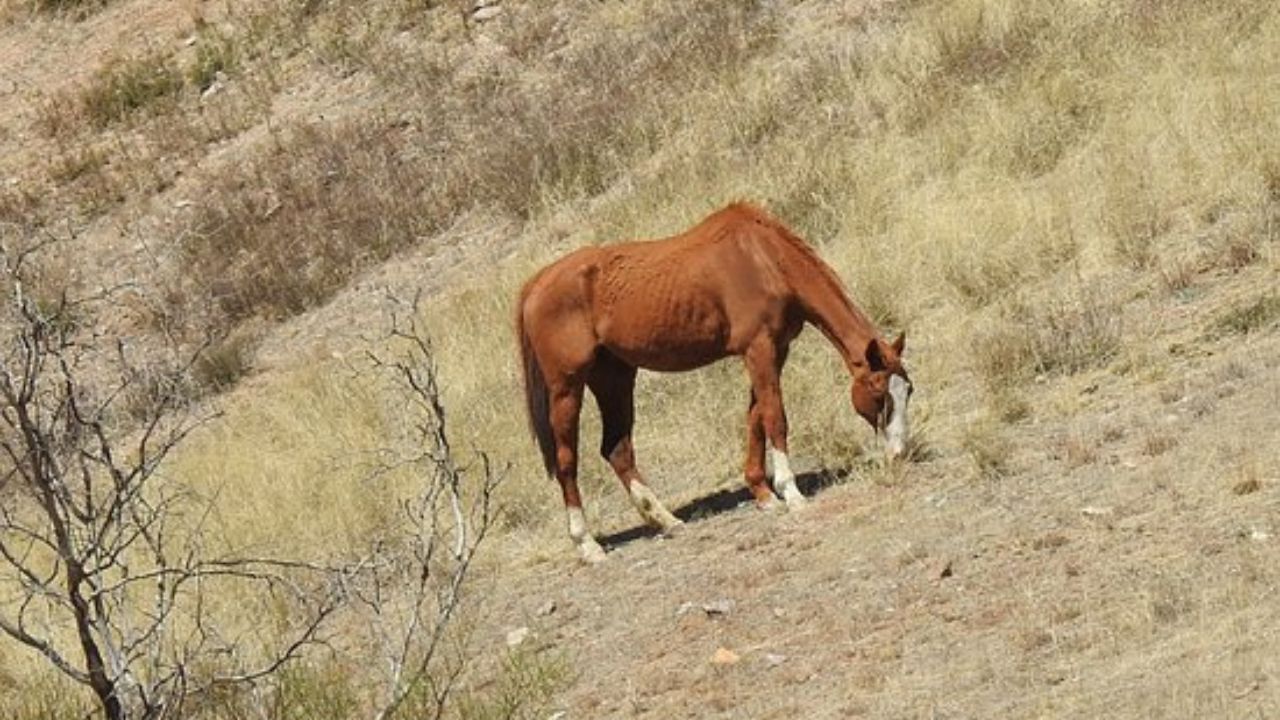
1124,567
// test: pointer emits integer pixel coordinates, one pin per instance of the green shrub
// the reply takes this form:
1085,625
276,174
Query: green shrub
124,87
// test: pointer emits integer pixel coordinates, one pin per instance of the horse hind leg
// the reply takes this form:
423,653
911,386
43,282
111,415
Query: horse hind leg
566,405
622,459
613,384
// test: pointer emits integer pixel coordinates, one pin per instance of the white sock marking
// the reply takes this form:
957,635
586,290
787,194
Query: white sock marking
784,480
650,507
581,536
577,524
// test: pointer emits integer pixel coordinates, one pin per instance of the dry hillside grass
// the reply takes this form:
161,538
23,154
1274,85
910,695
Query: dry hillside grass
1073,208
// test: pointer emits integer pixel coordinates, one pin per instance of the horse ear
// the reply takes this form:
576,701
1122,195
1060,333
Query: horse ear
900,344
875,360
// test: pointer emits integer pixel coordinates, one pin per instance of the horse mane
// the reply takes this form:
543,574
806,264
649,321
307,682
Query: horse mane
746,211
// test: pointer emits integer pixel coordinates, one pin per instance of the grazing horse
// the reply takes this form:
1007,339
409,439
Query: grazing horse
738,283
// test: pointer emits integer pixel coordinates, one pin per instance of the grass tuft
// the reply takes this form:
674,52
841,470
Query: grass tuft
1260,314
125,87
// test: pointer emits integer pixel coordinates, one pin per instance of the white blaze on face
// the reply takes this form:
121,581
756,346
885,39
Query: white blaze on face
896,430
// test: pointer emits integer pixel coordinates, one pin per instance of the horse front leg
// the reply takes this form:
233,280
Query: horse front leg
566,406
757,480
764,364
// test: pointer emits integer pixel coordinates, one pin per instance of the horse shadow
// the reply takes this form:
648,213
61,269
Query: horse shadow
724,501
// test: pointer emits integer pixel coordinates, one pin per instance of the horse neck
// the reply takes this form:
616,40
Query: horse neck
829,308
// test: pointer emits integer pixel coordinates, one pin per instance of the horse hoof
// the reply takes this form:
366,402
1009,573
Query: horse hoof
674,529
796,502
770,505
592,553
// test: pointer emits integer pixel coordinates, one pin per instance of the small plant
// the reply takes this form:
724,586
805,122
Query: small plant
75,8
1003,355
1064,334
523,689
1008,404
1244,319
988,449
1077,450
124,87
216,53
1157,442
223,364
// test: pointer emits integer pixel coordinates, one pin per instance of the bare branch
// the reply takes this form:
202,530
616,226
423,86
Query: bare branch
444,525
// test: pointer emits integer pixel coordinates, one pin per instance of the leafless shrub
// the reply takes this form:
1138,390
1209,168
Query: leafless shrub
1064,333
93,536
278,235
414,589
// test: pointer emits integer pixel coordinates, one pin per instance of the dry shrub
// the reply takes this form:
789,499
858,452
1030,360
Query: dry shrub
77,9
1259,314
987,447
1077,449
125,86
1058,333
1157,442
223,363
278,235
218,51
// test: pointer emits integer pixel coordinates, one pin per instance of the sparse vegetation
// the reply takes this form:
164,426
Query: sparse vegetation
987,447
217,53
129,85
1249,317
1048,197
75,8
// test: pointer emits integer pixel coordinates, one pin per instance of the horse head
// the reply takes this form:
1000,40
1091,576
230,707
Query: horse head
881,391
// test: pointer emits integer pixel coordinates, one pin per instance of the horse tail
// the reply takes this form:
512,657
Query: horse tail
537,397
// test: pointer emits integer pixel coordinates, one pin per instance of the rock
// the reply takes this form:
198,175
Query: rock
774,659
718,607
724,656
945,570
1247,487
1094,511
214,88
547,608
517,636
489,12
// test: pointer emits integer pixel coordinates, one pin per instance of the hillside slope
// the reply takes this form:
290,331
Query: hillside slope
1122,567
1073,209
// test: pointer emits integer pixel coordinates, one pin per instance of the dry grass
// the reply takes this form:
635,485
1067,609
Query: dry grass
1248,317
1003,179
456,139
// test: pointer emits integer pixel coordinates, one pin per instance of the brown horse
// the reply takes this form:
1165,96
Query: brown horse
738,283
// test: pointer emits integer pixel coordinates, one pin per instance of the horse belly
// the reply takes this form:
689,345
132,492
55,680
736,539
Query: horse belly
685,358
670,342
